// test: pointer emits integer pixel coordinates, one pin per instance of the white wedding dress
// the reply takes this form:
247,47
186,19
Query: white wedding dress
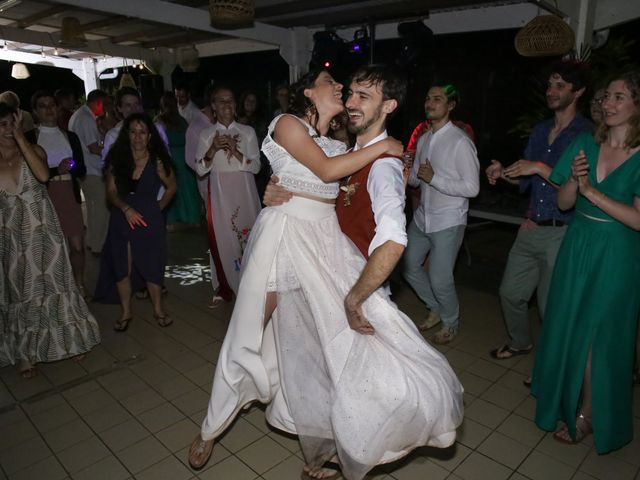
369,398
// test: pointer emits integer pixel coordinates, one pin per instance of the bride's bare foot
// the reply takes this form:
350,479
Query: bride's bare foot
328,469
200,452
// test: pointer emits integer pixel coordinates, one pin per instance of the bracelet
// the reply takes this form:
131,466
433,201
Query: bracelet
128,207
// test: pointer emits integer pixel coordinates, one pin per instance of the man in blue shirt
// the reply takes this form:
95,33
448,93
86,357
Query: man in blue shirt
532,256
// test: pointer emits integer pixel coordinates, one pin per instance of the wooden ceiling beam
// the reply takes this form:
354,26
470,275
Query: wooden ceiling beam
36,17
181,40
195,19
105,22
150,32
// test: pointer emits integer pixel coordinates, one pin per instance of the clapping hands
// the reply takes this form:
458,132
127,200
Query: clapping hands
226,142
580,172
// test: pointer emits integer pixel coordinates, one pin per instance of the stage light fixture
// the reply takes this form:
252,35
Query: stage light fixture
329,49
416,38
360,43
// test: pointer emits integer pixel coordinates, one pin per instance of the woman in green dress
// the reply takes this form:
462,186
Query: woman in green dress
186,207
583,370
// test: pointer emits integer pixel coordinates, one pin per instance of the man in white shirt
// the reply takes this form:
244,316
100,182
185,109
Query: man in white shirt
228,153
127,102
186,108
446,169
83,124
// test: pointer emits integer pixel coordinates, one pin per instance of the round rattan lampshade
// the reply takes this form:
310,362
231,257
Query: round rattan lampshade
229,14
544,36
71,35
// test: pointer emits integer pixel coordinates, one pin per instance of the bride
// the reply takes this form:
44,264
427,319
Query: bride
360,399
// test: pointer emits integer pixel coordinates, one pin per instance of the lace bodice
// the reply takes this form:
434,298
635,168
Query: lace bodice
294,176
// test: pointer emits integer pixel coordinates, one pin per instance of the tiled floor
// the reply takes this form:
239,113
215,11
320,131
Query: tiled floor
132,407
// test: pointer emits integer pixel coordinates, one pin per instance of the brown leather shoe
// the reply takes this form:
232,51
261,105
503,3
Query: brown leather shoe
432,319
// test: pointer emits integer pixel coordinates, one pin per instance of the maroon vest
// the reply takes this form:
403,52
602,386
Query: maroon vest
353,208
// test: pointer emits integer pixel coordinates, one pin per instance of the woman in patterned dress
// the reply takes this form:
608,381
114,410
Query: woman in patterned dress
43,316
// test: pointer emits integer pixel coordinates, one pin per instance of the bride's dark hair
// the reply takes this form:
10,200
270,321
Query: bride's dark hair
299,103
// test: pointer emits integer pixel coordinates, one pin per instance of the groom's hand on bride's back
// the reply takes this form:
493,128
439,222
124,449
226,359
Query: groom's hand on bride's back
274,194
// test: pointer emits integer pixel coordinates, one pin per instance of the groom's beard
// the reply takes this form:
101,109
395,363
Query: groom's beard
359,129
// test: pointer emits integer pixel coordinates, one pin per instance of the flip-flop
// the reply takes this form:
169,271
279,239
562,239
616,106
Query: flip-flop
215,302
163,320
122,324
506,352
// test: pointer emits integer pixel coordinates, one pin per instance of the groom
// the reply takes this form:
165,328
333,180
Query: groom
370,206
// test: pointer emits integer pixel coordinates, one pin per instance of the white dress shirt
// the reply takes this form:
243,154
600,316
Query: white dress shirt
110,138
54,142
189,111
385,186
247,146
83,123
444,202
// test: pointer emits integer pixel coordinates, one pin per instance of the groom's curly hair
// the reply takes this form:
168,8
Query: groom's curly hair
392,85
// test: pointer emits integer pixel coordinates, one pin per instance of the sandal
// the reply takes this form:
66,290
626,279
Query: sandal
142,294
328,465
163,320
78,358
122,324
27,370
506,352
444,336
200,452
583,428
215,302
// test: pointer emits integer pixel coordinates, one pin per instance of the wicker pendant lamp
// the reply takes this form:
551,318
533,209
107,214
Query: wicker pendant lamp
545,36
71,35
230,14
